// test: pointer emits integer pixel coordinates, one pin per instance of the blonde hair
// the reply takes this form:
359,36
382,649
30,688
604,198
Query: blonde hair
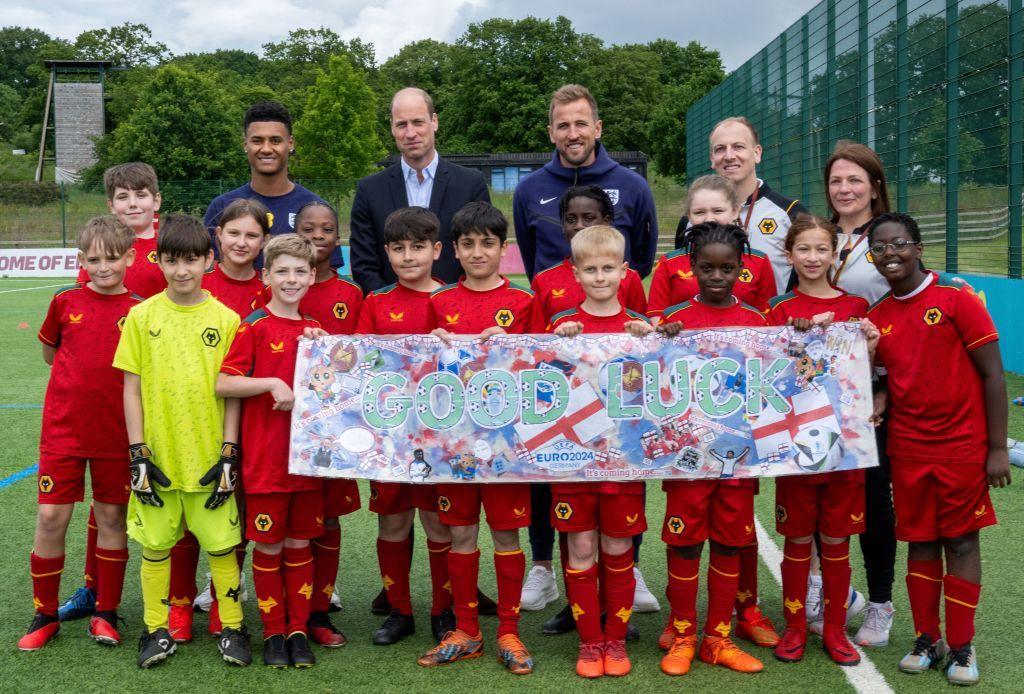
108,231
742,120
598,240
568,93
291,245
714,182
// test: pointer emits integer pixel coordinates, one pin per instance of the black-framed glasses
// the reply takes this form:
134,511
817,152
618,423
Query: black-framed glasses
899,245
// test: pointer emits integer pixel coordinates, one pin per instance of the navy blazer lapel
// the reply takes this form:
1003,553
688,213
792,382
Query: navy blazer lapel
440,184
396,183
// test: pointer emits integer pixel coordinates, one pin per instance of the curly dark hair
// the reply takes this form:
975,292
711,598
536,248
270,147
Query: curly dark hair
267,111
700,235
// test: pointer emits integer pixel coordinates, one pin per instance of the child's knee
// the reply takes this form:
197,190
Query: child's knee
724,550
505,540
110,517
53,519
616,545
689,551
962,546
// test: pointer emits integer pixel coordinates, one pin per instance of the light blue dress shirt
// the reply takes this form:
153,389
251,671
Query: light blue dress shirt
417,191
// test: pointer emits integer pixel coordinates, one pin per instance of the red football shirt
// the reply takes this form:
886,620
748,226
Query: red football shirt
695,315
464,311
266,346
143,277
936,397
83,413
395,310
557,290
241,296
599,324
335,303
796,304
674,282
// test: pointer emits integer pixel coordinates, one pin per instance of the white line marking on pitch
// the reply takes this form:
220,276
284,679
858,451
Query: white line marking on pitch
28,289
865,677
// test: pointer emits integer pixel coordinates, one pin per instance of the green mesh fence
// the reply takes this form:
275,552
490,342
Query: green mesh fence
934,86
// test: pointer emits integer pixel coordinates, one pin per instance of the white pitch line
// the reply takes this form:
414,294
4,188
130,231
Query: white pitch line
865,677
28,289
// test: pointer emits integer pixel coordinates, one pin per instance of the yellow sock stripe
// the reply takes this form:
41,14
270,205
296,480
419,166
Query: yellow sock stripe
106,558
91,526
511,553
327,547
438,550
619,571
257,567
807,558
301,563
51,573
927,578
684,578
961,602
845,557
722,573
576,571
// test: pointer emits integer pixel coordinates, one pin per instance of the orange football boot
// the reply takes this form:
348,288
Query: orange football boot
456,645
720,650
513,655
680,655
590,662
616,660
755,627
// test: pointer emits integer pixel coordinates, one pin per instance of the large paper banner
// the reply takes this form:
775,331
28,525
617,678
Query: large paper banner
728,403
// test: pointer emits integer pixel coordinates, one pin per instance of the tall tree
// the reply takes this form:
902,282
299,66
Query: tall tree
624,80
336,136
125,45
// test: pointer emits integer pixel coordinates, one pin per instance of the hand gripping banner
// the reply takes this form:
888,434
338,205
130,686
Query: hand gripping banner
725,403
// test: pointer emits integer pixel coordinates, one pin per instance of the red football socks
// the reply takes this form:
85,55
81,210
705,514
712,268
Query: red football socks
924,588
440,583
619,587
393,558
746,592
463,569
184,564
581,592
509,569
110,566
91,537
835,581
269,585
961,603
45,582
796,567
298,586
683,580
723,578
326,552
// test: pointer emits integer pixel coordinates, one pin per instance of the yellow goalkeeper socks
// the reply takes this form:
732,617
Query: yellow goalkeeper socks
224,573
156,581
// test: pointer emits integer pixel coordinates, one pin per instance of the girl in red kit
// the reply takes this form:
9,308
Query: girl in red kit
698,510
244,228
713,198
947,444
831,504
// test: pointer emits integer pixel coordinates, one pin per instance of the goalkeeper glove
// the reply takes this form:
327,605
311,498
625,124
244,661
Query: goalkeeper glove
223,474
145,474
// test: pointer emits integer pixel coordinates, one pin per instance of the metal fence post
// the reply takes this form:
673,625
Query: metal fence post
1015,187
952,133
902,109
63,216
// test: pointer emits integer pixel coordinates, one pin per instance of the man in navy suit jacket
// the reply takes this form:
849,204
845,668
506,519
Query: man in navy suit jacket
421,177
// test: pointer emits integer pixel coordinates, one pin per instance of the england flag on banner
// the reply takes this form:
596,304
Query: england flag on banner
774,432
583,420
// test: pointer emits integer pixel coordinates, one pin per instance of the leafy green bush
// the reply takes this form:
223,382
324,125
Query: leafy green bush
29,192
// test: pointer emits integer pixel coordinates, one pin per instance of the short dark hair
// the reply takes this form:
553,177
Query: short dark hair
411,224
181,236
316,203
592,192
267,111
905,220
481,217
133,175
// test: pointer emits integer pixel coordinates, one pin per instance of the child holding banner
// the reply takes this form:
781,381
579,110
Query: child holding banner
722,510
410,241
483,303
603,516
830,504
335,303
947,445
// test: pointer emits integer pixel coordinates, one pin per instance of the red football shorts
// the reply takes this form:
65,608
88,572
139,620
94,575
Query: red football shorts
61,479
271,517
507,505
615,515
937,499
341,497
697,510
831,503
388,498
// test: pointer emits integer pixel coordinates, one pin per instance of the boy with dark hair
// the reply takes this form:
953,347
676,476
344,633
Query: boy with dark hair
483,303
180,436
133,196
282,511
411,245
79,336
268,143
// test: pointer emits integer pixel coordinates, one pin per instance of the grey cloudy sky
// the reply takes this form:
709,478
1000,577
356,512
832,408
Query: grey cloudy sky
737,29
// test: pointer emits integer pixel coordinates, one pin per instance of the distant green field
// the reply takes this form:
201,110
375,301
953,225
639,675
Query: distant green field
74,663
